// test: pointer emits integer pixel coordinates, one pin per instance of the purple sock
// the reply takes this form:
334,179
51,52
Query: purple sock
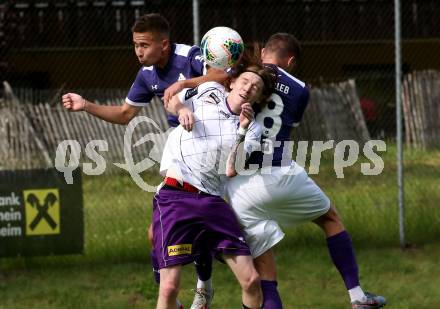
203,263
342,254
271,297
155,265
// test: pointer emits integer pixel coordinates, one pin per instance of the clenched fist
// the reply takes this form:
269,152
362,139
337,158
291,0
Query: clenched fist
73,102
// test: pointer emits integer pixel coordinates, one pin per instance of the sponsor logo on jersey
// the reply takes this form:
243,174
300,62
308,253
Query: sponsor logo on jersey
179,249
191,92
215,98
181,77
154,87
225,114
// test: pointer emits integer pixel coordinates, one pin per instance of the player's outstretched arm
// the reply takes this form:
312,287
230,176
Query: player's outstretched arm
114,114
213,75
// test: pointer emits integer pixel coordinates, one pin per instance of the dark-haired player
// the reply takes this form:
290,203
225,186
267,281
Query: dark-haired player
167,68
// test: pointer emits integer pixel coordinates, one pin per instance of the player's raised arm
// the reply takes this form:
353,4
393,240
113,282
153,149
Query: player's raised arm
119,114
254,84
213,75
246,116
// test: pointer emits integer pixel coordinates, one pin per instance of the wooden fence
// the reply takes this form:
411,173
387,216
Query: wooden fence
421,106
334,113
30,133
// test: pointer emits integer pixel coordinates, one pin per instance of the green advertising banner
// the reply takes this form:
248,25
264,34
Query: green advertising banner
40,214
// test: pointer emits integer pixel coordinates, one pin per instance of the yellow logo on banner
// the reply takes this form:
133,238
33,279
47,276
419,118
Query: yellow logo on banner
42,209
179,249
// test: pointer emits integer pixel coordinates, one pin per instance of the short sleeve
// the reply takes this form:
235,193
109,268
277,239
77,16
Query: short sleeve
300,107
197,62
139,93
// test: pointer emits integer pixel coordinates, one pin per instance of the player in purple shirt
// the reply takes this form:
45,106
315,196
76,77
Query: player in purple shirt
284,111
167,68
280,193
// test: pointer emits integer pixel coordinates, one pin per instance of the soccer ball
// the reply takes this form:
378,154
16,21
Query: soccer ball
221,47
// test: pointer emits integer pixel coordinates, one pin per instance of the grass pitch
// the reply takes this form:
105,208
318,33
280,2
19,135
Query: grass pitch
114,271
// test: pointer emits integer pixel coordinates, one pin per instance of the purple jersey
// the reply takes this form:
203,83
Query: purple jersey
185,62
283,112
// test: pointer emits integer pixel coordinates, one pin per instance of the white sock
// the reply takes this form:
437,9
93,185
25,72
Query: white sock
356,293
207,285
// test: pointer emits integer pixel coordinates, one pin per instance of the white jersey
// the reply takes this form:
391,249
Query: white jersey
199,157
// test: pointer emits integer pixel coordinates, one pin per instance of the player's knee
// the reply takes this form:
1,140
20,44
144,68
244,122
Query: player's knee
251,282
168,289
330,222
265,265
332,215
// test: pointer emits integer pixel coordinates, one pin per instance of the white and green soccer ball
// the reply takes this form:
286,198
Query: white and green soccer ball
222,47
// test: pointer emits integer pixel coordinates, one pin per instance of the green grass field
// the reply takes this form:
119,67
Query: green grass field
409,279
114,271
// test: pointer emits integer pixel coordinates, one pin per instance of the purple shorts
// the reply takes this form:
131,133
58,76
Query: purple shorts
186,223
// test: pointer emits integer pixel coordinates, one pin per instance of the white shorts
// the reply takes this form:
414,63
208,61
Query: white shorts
263,202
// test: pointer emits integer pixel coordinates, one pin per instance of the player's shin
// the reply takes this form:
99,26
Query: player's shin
266,267
342,253
271,297
204,292
169,287
203,264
